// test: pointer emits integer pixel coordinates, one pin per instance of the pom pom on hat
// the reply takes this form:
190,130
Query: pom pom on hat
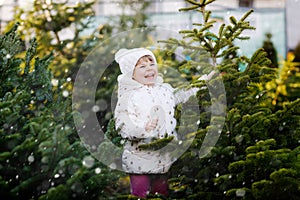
127,58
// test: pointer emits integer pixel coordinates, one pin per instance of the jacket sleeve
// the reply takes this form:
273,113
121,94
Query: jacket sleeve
128,121
183,95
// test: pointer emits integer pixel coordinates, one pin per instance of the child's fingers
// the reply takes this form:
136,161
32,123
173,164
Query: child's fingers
154,122
151,124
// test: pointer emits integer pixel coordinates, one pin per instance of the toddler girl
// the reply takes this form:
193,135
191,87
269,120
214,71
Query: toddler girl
145,111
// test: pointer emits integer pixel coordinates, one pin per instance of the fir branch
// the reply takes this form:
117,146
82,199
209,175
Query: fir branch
229,29
29,55
183,32
221,30
233,20
189,8
264,62
156,144
211,36
206,15
13,30
246,15
243,37
208,47
33,180
258,54
236,34
197,24
195,2
208,2
191,35
207,26
228,51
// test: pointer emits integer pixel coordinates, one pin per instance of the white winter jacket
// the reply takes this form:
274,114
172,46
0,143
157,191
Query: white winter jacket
136,105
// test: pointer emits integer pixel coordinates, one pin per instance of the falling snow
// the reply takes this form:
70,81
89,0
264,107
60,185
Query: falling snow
65,93
88,161
240,192
30,158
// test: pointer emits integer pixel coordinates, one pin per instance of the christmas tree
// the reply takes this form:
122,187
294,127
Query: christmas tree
268,46
41,155
60,166
296,54
256,153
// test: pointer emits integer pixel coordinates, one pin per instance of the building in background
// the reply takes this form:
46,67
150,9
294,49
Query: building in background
292,23
279,17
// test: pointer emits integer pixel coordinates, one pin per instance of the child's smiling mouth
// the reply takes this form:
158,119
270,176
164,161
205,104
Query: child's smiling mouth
150,75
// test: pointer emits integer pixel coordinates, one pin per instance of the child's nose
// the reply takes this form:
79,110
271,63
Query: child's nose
148,67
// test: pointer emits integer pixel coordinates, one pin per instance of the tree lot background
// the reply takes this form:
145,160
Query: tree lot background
42,157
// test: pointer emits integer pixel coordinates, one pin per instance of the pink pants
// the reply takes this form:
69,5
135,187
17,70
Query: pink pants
141,184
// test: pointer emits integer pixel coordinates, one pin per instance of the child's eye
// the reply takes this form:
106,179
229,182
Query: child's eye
142,66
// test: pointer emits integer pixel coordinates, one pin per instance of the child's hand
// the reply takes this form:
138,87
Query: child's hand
151,124
206,77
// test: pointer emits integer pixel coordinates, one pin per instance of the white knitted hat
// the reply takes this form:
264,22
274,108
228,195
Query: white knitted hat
127,58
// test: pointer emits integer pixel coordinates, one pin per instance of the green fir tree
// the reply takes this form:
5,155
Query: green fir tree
231,170
41,155
296,53
268,46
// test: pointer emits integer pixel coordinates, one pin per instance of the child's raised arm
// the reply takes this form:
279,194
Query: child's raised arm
183,95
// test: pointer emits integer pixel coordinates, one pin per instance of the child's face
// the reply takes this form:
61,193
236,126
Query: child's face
145,71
